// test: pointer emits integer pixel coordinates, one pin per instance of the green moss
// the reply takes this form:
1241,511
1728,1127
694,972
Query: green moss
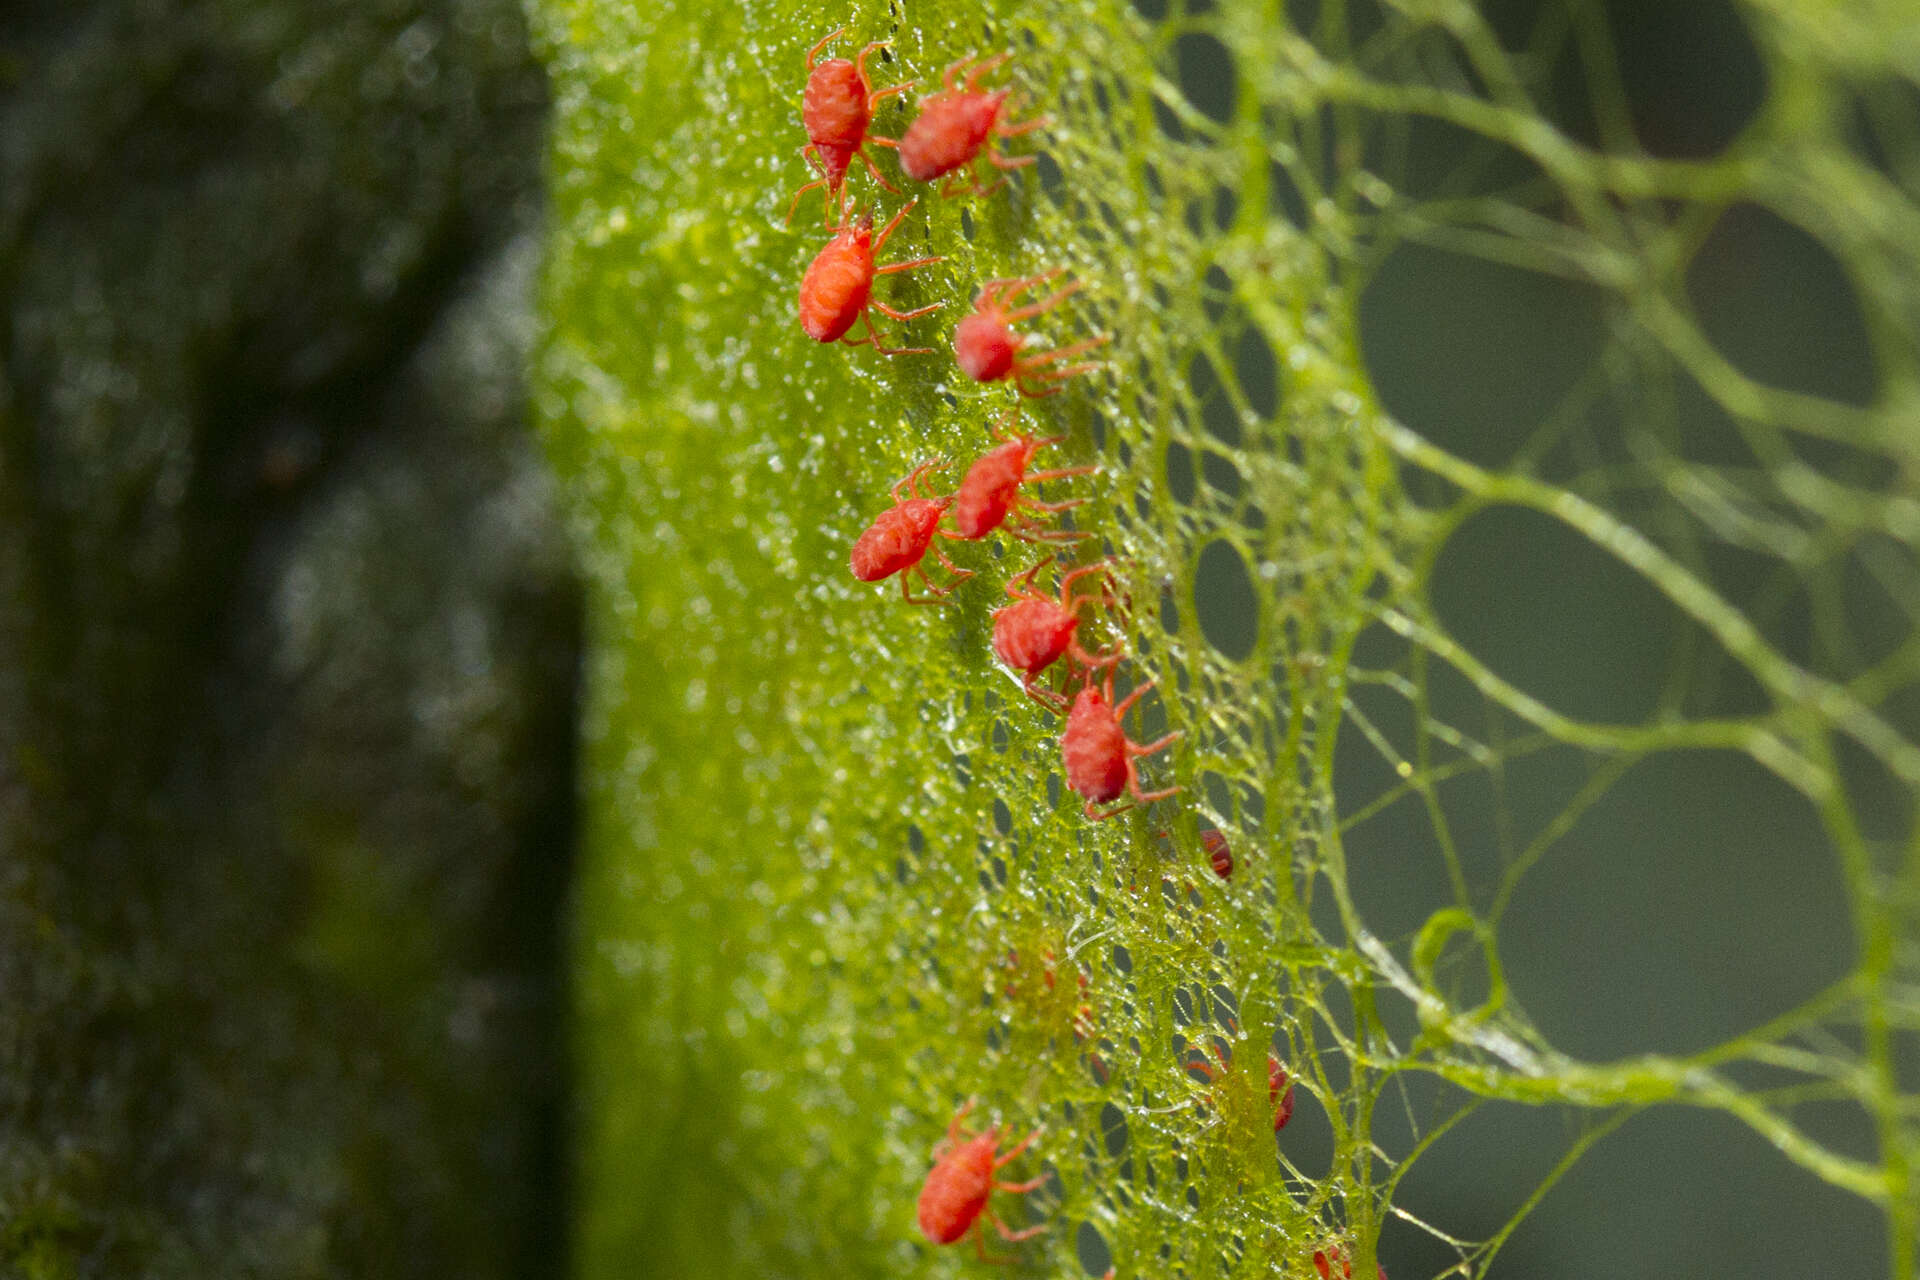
829,852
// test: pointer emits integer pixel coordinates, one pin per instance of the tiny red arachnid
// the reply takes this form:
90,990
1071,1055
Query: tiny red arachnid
1219,854
838,286
1279,1084
836,109
1338,1253
901,536
953,128
1035,631
957,1188
1279,1092
1097,754
988,349
991,489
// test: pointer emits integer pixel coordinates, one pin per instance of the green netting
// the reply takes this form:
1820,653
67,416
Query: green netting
835,886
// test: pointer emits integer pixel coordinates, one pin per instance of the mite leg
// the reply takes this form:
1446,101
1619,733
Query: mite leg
965,181
1093,661
1007,1233
1158,744
1084,571
868,161
1148,797
1053,299
1040,536
1002,287
825,40
1025,581
860,69
960,575
881,240
981,68
1133,775
817,182
1041,388
935,595
1007,287
1036,382
1120,711
1065,353
960,1116
1003,430
890,268
1044,534
915,314
953,69
1047,698
873,99
812,156
873,336
911,481
1038,386
1013,1153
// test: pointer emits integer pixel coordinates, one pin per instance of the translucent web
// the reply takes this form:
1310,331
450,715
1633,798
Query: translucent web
835,884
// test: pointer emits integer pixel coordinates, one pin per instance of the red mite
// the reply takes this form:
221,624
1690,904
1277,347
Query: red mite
836,108
1279,1086
1338,1254
1033,632
991,489
957,1187
1097,755
1279,1092
953,128
989,350
901,536
1214,842
838,286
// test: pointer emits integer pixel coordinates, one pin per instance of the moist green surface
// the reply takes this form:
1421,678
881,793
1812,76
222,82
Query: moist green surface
834,887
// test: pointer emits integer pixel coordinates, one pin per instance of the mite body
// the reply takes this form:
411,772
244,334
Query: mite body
900,537
1323,1258
1279,1084
837,289
954,127
1098,756
1219,853
836,109
954,1198
990,490
1036,630
987,348
1279,1092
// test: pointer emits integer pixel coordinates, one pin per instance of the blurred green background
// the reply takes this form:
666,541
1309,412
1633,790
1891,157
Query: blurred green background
288,638
289,643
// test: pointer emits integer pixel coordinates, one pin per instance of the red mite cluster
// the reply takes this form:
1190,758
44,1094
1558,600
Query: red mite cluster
953,129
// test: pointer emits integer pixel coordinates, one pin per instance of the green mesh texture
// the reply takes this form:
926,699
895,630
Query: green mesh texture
834,886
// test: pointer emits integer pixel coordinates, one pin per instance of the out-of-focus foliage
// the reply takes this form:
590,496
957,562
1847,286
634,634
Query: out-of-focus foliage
835,886
286,645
